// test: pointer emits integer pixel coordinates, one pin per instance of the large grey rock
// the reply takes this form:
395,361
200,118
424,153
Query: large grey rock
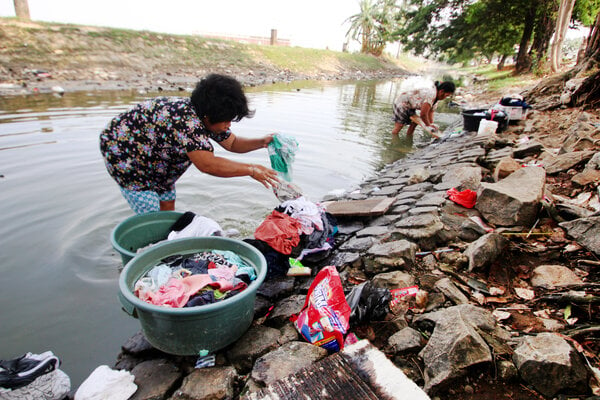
285,360
137,345
434,199
463,177
285,308
566,161
528,148
373,231
276,287
586,231
551,276
257,340
407,339
455,344
343,259
155,378
485,250
390,255
449,289
358,244
549,363
393,280
214,383
424,229
515,200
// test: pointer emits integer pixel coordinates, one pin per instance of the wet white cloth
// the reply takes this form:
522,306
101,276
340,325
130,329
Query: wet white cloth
107,384
306,212
199,226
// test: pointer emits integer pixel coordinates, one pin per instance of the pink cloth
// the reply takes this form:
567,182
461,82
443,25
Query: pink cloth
222,272
176,292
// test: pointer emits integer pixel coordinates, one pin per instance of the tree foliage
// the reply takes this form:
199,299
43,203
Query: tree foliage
374,25
463,30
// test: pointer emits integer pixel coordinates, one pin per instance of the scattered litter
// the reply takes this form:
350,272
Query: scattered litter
482,224
399,294
496,291
282,152
297,269
526,294
466,198
444,250
368,303
501,315
205,361
325,316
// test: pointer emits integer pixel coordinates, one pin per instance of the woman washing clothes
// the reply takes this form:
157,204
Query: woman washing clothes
419,94
149,147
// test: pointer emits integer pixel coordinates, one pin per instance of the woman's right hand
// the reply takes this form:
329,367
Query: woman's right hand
267,176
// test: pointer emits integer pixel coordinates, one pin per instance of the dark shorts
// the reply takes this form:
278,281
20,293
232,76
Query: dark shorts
402,115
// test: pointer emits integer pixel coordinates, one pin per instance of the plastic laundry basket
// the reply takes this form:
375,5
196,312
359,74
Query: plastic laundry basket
189,330
141,230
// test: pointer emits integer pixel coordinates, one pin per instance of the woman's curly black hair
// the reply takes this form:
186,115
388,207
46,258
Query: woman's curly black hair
447,86
220,98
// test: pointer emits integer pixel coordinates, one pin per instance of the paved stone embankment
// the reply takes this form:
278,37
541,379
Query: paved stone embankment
494,281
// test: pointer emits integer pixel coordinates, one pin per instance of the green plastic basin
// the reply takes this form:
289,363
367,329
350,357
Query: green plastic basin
187,331
139,231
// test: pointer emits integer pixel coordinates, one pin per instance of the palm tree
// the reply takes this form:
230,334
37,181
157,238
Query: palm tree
373,25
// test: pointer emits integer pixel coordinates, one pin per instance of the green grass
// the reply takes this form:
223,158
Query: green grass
55,45
497,80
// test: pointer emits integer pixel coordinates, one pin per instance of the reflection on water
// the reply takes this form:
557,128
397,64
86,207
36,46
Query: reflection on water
59,273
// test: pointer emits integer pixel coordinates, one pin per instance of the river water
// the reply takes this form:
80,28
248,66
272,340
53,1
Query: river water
58,271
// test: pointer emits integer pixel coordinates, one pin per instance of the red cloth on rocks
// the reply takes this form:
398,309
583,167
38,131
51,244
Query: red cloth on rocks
467,198
280,231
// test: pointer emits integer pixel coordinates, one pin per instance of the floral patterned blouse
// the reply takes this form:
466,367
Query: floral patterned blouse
414,93
146,147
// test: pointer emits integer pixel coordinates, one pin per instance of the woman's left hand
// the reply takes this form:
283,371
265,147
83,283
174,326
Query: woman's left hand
267,176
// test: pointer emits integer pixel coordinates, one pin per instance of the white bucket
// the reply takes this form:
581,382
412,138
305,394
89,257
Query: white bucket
487,127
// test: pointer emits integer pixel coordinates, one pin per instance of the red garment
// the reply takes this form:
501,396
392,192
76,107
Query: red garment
467,198
280,231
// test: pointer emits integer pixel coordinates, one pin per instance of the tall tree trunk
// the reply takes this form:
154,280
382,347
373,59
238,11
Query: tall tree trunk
501,62
562,24
22,10
544,26
593,41
523,60
588,94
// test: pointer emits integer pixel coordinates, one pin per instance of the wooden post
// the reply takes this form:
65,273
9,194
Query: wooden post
273,37
22,10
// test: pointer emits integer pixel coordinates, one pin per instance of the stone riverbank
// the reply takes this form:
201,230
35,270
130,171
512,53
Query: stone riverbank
507,295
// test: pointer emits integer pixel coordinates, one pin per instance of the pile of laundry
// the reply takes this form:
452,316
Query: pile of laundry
195,280
295,230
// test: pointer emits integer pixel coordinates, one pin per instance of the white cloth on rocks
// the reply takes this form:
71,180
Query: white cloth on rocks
107,384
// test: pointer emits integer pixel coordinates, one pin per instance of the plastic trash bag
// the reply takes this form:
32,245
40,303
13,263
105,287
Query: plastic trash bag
33,376
285,191
467,198
368,303
282,151
324,319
